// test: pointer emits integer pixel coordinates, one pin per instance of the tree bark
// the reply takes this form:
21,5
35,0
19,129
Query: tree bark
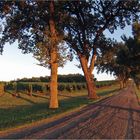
121,84
89,78
124,83
53,59
53,82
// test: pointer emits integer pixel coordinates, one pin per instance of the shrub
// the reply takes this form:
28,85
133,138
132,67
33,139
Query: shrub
78,87
37,88
84,86
69,88
22,87
61,87
44,88
15,86
73,87
47,87
30,90
97,86
9,86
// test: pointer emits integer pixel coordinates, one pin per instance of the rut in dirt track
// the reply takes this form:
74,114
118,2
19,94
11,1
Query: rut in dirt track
117,117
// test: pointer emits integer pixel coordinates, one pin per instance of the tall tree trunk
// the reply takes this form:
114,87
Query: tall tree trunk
120,78
121,84
54,59
89,78
53,82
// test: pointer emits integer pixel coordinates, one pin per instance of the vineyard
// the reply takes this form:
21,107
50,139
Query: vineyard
31,100
42,87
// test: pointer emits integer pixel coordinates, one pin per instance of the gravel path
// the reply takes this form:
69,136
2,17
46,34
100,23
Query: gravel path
117,117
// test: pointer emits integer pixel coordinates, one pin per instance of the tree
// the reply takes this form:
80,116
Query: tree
113,60
133,45
35,25
123,59
85,22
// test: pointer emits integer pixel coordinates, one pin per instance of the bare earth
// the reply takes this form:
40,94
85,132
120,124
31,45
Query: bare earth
117,117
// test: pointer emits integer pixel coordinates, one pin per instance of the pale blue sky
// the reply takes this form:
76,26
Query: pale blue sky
15,65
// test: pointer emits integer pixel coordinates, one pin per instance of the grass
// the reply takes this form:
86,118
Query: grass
18,111
137,91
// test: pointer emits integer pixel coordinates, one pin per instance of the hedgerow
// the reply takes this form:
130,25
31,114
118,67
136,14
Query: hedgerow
45,88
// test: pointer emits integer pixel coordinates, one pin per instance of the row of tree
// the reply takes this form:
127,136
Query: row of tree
38,87
70,78
123,58
56,30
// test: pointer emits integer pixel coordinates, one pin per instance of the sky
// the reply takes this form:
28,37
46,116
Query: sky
15,65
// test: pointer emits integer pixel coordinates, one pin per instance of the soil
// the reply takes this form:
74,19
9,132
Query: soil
117,117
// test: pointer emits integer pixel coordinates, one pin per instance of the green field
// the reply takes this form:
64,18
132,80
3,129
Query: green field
24,109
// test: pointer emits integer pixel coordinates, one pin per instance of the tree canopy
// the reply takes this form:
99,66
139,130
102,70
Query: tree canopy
41,27
85,23
123,59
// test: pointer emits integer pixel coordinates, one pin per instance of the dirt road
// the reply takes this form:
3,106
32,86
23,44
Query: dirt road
117,117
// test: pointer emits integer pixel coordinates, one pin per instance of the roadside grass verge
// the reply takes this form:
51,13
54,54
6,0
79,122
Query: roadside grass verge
137,92
28,109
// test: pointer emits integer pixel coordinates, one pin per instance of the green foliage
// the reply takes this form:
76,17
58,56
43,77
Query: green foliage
70,78
44,88
100,84
78,87
47,87
30,89
69,87
22,87
79,23
74,87
61,87
37,88
9,86
30,25
85,28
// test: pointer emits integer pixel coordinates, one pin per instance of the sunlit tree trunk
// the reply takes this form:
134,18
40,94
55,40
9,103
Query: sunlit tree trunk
120,78
2,90
53,60
124,83
89,78
53,82
121,84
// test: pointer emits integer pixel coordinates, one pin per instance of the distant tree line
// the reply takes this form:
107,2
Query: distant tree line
70,78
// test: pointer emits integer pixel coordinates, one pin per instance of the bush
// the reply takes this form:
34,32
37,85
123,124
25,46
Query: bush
47,87
73,87
84,86
37,88
78,87
97,86
9,86
30,91
44,88
61,87
22,87
69,88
